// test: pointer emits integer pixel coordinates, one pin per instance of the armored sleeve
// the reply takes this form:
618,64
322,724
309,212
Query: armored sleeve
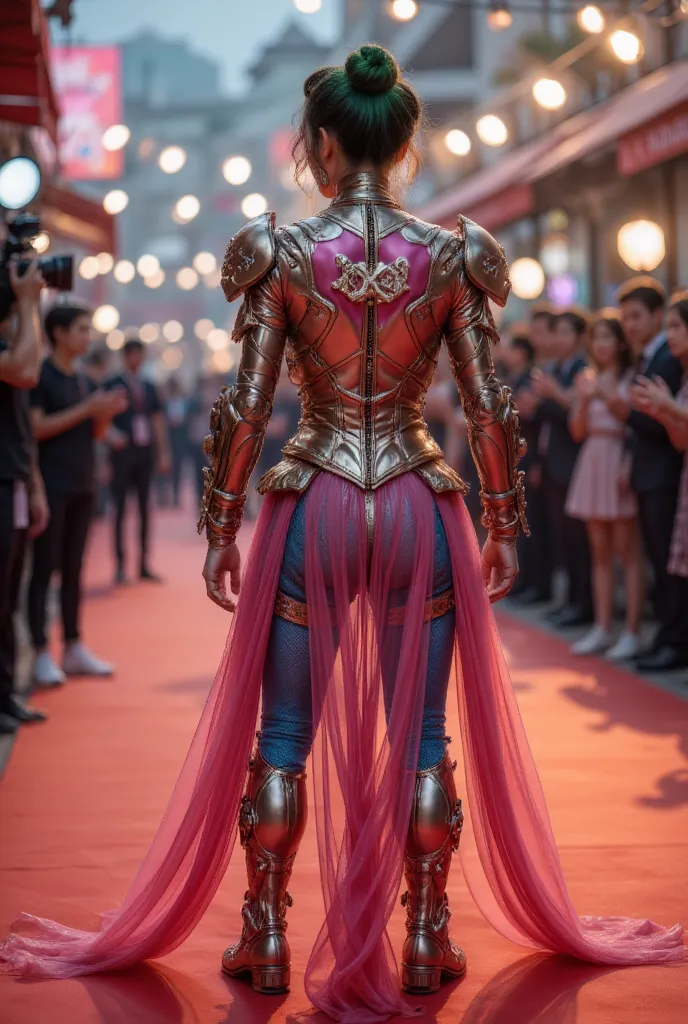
240,414
491,416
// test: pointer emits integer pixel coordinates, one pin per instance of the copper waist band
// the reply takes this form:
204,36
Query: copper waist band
297,611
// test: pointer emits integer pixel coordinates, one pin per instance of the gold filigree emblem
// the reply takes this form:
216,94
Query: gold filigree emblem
384,284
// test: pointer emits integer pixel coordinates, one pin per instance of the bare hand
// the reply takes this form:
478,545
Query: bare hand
219,562
103,405
650,396
27,287
585,383
39,512
500,568
544,385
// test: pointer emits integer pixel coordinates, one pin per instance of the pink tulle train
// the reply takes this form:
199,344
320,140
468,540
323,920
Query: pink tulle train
360,767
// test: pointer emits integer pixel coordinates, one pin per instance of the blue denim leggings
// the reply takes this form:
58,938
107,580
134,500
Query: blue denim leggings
287,715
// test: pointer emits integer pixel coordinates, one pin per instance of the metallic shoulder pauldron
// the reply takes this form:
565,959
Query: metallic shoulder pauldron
249,256
486,263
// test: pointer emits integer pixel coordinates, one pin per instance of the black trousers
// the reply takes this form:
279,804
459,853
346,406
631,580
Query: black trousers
132,470
12,552
570,546
657,510
60,549
535,556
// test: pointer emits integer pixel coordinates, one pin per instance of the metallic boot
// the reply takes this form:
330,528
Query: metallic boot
434,834
272,821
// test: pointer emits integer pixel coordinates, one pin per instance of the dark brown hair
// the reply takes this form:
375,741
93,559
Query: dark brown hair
610,319
366,105
679,303
647,290
63,314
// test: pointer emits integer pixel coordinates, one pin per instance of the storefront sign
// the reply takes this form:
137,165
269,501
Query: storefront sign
662,139
87,81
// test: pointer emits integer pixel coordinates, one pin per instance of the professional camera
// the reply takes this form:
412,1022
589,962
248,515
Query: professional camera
57,270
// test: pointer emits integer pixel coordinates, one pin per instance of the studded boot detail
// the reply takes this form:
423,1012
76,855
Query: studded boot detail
433,836
272,821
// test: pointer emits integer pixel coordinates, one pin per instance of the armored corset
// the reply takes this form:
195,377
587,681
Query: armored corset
367,292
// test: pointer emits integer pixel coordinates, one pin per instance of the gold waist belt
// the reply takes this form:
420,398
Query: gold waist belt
297,611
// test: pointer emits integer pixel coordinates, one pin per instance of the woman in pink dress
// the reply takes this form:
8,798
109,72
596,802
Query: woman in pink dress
599,493
654,398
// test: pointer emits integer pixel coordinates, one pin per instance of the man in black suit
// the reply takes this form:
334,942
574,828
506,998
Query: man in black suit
655,468
137,440
559,454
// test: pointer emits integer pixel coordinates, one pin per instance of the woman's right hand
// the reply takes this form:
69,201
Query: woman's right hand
219,562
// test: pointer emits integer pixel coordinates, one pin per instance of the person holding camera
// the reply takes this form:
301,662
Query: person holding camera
23,505
68,415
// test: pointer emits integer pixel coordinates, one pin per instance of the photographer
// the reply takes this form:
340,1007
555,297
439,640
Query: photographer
68,415
23,506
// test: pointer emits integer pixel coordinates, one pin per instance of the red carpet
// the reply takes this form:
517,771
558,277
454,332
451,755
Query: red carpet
83,794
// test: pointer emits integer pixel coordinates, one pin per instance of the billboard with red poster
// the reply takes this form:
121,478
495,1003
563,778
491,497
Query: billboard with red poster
88,84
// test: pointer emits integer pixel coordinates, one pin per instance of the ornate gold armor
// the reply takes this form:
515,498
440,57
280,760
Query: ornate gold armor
361,298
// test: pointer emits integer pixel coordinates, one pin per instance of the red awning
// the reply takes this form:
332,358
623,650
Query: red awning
572,140
78,219
26,94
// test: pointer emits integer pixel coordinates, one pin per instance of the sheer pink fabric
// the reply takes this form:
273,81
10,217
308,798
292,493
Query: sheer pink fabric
363,781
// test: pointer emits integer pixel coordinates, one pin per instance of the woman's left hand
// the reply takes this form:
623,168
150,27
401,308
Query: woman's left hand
219,562
500,567
650,396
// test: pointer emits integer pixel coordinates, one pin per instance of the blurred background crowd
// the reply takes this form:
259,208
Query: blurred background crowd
142,138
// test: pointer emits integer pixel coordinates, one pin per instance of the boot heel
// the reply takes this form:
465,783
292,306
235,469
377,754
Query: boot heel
271,980
420,980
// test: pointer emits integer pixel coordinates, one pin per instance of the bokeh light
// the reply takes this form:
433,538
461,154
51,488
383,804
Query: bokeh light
641,245
549,94
88,268
154,280
172,331
457,142
186,208
203,327
105,318
187,278
115,137
591,19
149,333
172,358
41,241
217,339
236,170
105,262
404,10
115,201
124,271
204,262
492,130
527,278
115,340
172,159
626,46
147,265
253,205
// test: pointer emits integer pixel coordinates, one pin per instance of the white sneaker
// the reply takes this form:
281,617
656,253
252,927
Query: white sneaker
596,640
627,646
46,672
79,661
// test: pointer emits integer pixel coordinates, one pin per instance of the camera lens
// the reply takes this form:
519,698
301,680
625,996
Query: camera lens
58,272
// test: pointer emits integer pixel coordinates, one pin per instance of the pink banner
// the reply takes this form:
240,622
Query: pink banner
87,81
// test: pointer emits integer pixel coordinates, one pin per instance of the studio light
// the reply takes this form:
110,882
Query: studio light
20,182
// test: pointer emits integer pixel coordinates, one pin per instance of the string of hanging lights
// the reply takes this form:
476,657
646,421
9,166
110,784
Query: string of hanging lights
591,17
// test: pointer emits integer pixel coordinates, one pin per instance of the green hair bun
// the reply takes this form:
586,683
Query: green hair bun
372,69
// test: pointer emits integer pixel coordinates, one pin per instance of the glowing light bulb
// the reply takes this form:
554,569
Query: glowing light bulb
105,319
492,130
457,142
217,339
236,170
147,265
202,328
641,245
124,271
404,10
308,6
105,262
172,159
187,278
499,16
88,268
527,278
204,262
626,46
154,280
549,94
187,208
115,201
149,333
115,137
591,19
253,205
173,331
